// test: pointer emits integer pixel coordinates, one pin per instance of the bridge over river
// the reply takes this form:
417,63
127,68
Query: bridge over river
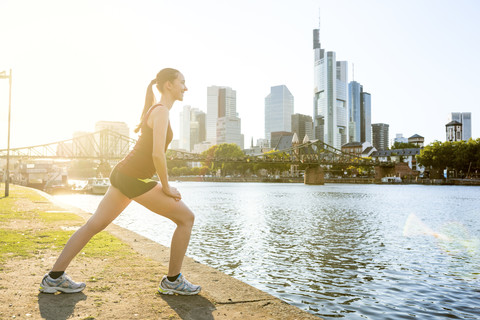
109,146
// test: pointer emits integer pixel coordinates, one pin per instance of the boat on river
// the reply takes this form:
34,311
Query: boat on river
391,180
97,185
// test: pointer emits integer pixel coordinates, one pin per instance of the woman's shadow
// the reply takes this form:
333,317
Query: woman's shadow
58,306
190,307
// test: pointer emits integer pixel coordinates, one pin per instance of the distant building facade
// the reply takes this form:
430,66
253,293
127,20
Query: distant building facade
417,140
279,106
192,127
278,136
115,147
330,110
302,125
399,138
408,156
465,118
380,136
221,102
223,123
360,149
359,114
454,131
198,127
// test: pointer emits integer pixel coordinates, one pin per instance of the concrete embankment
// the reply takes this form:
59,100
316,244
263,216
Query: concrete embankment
121,268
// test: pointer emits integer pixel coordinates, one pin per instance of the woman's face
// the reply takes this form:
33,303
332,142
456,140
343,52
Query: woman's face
178,87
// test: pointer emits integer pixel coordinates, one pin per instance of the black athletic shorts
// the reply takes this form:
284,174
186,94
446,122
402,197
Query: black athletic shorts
129,186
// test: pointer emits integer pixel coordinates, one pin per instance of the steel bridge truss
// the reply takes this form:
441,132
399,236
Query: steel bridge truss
310,153
109,145
100,145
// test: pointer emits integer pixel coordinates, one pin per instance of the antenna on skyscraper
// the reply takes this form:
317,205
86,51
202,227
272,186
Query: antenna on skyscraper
319,23
353,71
319,18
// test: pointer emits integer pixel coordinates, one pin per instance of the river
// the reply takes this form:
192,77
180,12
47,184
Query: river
335,250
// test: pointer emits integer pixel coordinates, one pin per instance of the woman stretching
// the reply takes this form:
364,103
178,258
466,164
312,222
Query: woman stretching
131,180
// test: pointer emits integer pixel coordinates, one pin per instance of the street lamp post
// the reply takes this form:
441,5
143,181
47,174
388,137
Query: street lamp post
3,75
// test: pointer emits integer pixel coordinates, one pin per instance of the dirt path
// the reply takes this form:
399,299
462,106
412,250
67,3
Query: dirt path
121,269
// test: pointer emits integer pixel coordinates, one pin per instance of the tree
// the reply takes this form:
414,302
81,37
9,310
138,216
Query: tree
403,145
230,151
273,162
461,156
209,155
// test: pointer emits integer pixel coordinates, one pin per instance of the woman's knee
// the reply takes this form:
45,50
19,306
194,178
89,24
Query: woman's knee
185,217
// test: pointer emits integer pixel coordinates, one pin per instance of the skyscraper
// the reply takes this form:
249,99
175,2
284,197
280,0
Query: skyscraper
380,136
221,102
279,106
465,118
223,123
197,127
359,114
302,125
192,128
185,128
330,96
354,103
366,117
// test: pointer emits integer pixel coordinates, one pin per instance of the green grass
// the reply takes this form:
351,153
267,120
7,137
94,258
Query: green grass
14,244
53,216
104,244
26,243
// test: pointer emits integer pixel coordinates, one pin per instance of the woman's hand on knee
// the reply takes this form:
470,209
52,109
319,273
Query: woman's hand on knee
172,192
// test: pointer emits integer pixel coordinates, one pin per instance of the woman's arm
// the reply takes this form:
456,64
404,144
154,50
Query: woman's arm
159,121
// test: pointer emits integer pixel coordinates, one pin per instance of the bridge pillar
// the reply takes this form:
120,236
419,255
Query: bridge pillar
383,171
314,175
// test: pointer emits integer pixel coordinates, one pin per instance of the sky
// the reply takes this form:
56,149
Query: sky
78,62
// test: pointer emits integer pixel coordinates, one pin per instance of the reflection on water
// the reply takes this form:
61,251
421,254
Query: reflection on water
338,251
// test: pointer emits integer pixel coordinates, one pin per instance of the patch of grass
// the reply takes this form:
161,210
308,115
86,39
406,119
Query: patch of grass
49,239
28,242
14,244
17,243
100,289
104,244
94,279
52,216
22,192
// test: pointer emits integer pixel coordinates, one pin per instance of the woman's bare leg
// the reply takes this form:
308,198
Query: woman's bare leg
158,202
112,204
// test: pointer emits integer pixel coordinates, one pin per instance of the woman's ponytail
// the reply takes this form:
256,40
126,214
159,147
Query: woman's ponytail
167,74
149,101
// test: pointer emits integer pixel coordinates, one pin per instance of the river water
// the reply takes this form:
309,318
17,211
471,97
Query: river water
336,250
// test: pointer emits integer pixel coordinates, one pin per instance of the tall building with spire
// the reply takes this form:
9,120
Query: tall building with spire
330,110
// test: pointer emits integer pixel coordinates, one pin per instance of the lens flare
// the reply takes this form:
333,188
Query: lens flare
415,227
455,240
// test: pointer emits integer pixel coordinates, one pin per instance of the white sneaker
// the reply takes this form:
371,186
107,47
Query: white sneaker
63,284
180,286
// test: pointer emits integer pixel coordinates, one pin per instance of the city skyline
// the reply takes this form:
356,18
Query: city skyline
67,75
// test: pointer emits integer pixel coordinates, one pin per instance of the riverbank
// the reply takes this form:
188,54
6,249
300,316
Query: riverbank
121,268
449,181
